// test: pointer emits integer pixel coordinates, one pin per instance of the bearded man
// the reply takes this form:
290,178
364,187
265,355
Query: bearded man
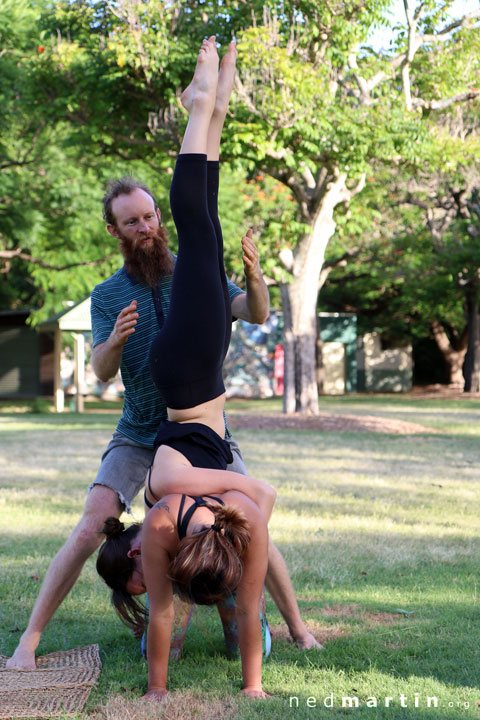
128,310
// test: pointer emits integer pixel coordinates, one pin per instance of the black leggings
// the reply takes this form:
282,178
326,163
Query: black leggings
187,355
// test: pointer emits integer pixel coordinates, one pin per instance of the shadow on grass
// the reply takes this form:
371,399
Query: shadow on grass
361,665
308,679
439,640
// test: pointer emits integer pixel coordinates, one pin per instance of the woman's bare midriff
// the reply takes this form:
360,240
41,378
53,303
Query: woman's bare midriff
209,413
167,459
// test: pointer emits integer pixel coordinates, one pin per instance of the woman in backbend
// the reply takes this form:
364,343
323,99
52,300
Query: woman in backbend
206,531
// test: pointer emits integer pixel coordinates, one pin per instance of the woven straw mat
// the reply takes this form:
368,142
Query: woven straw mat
60,685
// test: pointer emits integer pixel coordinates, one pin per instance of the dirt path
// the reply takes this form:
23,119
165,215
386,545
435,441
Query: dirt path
325,422
332,422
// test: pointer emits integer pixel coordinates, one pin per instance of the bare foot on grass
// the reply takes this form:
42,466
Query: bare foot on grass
201,91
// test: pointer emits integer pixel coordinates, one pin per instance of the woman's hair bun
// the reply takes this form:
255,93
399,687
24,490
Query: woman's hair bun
234,525
113,527
208,565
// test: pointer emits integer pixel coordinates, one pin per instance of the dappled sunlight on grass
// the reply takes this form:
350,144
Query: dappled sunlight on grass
316,530
333,547
374,693
380,534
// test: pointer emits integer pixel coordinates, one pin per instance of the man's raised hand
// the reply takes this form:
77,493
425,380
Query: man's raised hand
251,262
125,324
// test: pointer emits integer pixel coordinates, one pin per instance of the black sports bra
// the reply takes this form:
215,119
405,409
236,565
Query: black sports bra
199,501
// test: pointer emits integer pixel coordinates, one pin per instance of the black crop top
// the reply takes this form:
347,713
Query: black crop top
199,501
197,442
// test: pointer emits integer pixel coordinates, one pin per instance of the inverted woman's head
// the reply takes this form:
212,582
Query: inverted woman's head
208,564
119,564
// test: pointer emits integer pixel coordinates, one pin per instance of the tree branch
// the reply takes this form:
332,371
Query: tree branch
9,254
348,193
245,97
115,12
341,261
445,102
416,41
438,37
24,161
16,163
292,183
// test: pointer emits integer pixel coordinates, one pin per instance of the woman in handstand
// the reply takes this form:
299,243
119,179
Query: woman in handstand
206,531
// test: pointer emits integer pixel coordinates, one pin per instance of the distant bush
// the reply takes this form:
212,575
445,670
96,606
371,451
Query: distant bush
40,405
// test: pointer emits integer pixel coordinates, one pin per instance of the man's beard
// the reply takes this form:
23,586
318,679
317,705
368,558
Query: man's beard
147,265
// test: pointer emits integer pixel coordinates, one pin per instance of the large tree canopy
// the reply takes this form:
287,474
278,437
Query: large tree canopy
91,89
418,269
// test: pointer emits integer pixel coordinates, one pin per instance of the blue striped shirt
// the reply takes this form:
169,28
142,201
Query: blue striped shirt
143,407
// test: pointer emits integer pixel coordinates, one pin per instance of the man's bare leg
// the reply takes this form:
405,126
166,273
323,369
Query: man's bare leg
281,589
183,614
65,569
228,615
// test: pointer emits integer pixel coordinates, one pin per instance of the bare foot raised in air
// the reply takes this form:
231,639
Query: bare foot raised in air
201,91
226,79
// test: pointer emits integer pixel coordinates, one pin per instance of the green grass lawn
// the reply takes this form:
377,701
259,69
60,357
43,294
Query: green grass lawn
380,533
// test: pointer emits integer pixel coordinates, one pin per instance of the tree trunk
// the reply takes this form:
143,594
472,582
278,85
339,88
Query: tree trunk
289,354
453,352
299,299
299,343
320,372
472,358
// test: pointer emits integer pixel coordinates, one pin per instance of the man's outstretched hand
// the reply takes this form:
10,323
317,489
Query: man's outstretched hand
125,324
250,258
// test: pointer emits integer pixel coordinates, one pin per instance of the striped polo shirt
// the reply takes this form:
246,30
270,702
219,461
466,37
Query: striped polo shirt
143,406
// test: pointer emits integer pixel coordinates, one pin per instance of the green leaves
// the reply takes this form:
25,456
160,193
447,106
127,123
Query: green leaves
89,90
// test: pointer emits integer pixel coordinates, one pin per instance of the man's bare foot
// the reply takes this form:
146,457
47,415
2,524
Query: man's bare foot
307,642
22,659
201,91
155,694
226,79
256,693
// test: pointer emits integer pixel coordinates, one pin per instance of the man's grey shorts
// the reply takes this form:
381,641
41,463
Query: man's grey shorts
125,463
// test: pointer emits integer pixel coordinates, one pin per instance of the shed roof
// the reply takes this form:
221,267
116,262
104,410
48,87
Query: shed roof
73,319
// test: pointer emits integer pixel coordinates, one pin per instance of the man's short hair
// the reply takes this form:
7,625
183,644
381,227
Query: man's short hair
123,186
